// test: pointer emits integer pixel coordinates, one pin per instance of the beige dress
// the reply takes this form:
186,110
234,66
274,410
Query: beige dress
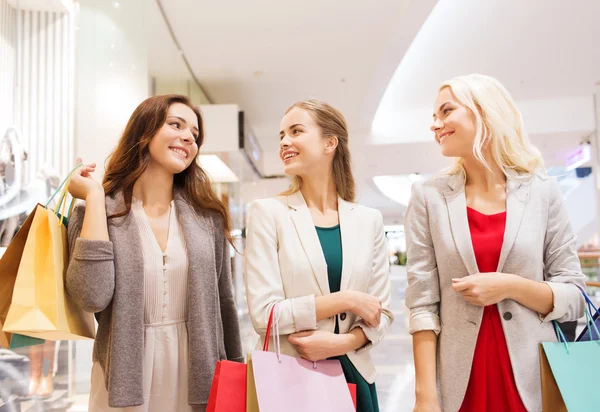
165,313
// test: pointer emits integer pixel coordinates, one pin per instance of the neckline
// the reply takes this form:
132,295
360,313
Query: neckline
327,228
146,222
484,214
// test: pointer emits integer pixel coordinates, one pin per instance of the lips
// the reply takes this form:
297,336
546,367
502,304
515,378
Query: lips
182,152
443,136
289,154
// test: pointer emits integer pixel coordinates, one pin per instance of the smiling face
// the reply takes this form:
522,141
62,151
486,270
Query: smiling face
302,147
453,125
174,147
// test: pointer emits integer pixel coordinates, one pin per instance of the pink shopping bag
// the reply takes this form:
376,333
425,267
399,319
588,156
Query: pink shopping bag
286,383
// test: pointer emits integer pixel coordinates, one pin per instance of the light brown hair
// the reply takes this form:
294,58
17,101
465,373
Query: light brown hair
332,123
132,155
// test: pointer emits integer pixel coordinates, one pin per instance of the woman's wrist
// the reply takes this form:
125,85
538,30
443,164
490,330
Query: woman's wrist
96,196
349,300
513,286
354,340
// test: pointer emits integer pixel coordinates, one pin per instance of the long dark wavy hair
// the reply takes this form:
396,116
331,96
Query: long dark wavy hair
131,157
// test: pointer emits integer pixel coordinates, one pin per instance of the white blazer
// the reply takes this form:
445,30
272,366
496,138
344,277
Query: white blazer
284,263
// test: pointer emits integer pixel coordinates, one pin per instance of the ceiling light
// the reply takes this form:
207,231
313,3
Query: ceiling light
217,170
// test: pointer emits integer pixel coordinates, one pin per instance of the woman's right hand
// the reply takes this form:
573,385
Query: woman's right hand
427,405
366,307
82,184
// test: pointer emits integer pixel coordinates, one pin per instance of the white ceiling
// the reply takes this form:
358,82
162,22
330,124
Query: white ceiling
266,55
539,49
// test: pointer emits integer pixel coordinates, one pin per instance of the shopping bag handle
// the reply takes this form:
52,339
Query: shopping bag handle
588,318
64,183
63,188
273,325
268,332
273,328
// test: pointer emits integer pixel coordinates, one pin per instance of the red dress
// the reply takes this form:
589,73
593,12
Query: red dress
492,385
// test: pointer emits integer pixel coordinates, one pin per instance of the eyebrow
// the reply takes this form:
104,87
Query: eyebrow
183,120
291,127
441,108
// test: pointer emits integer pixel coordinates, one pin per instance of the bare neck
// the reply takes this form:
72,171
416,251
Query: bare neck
320,193
155,189
481,178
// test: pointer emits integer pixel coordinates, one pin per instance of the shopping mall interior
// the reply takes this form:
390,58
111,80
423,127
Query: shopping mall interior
73,71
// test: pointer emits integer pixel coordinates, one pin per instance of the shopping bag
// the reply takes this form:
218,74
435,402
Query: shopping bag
252,400
286,383
40,306
228,389
568,371
9,265
352,389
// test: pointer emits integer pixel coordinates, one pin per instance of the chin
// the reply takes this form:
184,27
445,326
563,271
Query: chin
175,168
448,152
291,170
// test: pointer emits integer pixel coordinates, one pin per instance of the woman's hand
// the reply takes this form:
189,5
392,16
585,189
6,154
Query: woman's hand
318,345
82,184
366,307
484,289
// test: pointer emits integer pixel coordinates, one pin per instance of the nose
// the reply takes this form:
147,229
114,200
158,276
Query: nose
187,136
436,125
285,142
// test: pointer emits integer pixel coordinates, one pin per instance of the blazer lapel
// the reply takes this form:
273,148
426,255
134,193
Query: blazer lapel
457,212
517,194
349,231
309,239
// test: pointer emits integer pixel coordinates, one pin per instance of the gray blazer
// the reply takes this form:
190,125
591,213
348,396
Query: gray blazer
107,278
538,244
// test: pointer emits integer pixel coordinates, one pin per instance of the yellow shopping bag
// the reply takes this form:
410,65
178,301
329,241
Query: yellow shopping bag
41,307
251,398
9,266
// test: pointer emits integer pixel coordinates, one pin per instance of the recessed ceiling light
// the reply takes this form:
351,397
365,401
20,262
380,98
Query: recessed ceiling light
217,170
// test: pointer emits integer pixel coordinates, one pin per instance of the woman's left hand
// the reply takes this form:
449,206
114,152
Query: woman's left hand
318,345
484,289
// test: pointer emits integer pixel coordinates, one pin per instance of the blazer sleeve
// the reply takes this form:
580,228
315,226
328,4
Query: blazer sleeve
379,286
90,278
562,268
229,315
423,290
264,286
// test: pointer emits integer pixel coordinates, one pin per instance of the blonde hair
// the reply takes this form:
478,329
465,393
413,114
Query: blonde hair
332,123
498,123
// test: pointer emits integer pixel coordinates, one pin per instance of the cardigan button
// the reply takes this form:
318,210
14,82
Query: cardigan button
507,316
343,316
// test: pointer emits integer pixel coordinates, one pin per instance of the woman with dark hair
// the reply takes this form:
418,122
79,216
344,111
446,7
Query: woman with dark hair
149,256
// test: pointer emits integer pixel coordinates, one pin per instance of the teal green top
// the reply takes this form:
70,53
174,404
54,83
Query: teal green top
331,243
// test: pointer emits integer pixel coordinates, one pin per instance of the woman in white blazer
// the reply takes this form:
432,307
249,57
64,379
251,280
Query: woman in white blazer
495,211
321,257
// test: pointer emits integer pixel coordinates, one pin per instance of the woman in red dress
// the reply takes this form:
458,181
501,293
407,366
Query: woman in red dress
491,258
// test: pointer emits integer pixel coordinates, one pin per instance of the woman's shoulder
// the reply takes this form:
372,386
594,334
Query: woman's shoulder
270,204
365,212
